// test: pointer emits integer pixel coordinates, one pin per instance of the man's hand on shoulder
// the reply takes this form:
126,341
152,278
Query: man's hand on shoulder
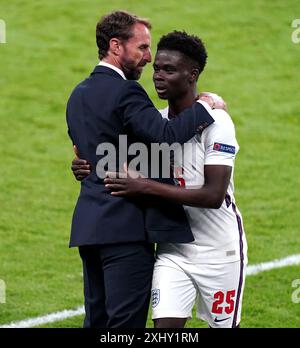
213,100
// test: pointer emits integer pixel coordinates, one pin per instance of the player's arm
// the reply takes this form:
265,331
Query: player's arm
220,149
210,195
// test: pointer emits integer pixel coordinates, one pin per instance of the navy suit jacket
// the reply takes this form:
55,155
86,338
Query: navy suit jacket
101,108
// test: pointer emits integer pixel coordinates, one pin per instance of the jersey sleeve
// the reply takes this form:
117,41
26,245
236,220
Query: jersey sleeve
219,140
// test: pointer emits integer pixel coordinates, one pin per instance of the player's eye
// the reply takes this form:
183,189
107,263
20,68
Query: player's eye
169,69
155,68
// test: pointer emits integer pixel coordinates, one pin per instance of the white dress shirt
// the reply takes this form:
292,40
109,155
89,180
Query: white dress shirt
119,71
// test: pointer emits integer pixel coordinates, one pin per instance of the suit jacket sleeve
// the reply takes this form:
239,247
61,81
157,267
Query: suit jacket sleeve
145,121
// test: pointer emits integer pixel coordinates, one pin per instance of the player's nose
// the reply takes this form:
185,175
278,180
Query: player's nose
157,76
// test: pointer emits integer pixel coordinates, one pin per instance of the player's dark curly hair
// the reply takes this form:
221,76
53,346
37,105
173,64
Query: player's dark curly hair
189,45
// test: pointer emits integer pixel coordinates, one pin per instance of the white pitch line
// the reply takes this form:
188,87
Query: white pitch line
46,319
58,316
279,263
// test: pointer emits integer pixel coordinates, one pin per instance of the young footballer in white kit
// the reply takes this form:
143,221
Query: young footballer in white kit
210,271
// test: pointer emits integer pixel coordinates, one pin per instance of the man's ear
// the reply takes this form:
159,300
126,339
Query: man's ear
194,75
115,46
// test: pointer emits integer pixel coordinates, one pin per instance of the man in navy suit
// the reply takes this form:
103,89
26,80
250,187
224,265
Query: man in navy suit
112,233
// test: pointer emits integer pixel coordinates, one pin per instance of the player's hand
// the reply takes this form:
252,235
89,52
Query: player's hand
127,186
80,167
213,100
127,173
129,183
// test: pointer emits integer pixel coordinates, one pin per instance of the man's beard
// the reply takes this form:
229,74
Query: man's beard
132,71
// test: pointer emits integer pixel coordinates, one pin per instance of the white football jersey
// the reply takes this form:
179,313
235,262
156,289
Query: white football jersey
219,235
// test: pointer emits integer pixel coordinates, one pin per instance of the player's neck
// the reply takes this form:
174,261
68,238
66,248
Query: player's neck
182,103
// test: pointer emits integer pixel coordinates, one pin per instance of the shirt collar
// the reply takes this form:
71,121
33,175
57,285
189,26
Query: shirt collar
119,71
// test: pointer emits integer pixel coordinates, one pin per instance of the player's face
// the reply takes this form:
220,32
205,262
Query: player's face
136,52
172,75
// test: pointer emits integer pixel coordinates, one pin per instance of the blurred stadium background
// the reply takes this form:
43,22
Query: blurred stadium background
252,63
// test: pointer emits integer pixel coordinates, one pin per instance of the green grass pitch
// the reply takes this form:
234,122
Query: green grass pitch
252,63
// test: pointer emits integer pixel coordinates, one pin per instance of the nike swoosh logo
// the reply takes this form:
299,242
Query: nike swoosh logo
218,320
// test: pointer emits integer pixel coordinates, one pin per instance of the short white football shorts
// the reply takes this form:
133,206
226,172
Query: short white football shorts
216,289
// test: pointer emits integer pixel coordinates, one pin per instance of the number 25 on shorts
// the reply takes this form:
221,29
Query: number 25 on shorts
219,300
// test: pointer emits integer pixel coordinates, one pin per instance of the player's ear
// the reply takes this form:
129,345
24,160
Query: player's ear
194,75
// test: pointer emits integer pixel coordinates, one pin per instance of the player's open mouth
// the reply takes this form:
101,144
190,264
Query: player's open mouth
160,89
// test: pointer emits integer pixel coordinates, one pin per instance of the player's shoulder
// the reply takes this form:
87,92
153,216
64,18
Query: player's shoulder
222,118
223,125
